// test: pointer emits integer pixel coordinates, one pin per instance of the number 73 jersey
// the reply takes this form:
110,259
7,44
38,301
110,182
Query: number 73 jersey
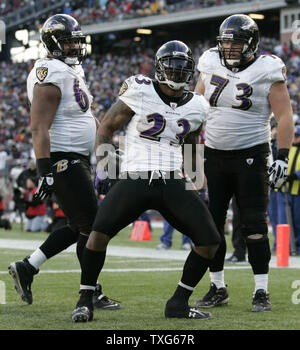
239,111
157,130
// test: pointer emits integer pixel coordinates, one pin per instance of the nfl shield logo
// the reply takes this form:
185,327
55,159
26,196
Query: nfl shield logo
173,105
41,73
249,161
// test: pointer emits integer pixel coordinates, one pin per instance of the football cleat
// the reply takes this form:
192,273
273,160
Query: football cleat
235,259
84,307
101,301
214,297
163,246
82,314
186,246
22,273
176,310
261,301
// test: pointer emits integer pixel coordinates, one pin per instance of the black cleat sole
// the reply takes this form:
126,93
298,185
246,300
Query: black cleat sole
202,305
82,314
12,270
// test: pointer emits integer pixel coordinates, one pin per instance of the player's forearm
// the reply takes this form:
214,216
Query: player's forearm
41,143
285,131
104,142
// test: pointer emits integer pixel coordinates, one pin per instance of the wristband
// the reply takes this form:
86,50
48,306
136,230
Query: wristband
283,154
43,166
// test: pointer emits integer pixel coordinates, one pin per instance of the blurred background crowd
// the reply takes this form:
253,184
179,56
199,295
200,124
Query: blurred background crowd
99,11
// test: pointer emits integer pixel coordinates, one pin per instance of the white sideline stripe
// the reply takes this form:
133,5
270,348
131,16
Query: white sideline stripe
154,269
135,252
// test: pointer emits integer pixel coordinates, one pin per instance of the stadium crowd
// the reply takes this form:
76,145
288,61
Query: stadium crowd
99,11
105,74
108,10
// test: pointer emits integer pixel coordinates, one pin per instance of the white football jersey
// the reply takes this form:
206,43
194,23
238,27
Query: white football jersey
74,127
155,133
239,111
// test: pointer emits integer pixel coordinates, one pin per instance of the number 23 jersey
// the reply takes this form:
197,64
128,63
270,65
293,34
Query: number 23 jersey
73,128
239,111
156,132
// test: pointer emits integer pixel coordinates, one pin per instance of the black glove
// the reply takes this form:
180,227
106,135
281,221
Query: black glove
45,187
291,177
103,183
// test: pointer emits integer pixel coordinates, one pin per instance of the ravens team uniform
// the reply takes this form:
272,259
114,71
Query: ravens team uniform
72,140
243,90
237,138
151,175
62,148
152,163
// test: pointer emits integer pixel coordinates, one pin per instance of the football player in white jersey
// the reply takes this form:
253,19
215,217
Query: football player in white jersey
159,114
243,89
63,134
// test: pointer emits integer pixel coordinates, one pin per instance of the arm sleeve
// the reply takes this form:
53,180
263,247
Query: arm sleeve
46,74
129,92
276,70
207,60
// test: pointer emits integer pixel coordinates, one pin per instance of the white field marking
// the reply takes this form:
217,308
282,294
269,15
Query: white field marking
137,252
151,269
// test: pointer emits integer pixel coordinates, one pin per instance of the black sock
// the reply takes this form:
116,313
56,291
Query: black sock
259,255
58,241
92,262
194,269
81,243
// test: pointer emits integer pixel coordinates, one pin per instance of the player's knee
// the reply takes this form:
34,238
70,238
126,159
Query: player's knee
74,229
97,241
84,227
207,252
254,226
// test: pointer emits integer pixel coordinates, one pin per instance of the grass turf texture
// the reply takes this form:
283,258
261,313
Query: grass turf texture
143,294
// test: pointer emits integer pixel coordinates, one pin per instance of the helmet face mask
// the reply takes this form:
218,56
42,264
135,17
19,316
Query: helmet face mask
242,32
63,39
174,65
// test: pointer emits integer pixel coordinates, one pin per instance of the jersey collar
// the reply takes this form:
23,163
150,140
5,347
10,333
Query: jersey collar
169,100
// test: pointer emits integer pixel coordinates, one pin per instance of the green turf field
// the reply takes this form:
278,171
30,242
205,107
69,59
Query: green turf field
141,291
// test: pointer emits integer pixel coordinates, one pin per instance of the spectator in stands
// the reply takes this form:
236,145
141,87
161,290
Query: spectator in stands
5,223
237,239
35,208
29,172
59,218
274,206
292,187
166,238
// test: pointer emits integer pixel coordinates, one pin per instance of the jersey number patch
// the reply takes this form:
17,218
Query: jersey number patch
80,96
220,84
159,126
